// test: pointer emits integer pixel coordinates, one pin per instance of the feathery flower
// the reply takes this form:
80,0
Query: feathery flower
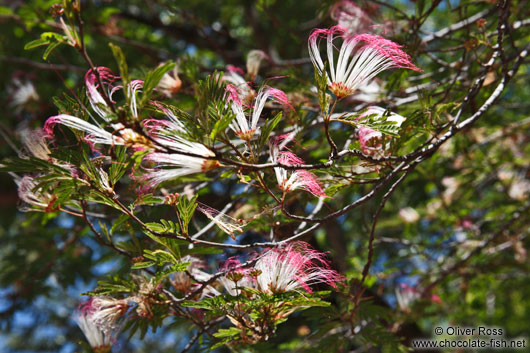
228,224
31,195
407,295
134,87
97,102
254,59
299,179
292,268
171,166
166,132
21,92
95,133
235,77
246,128
184,281
100,319
35,143
361,58
350,16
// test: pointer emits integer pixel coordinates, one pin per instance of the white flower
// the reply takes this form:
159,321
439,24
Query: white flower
134,87
21,92
361,58
409,215
405,296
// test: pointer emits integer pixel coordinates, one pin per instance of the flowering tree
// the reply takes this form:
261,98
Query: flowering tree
220,204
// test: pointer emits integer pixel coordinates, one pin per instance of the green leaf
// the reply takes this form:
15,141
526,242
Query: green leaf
119,165
266,131
374,121
212,89
119,222
222,116
122,65
165,226
232,331
49,50
152,79
140,265
6,11
36,43
186,208
322,86
46,38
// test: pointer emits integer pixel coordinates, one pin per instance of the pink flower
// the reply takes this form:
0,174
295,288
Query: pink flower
236,278
244,127
369,139
97,102
242,90
95,133
299,179
361,57
350,16
436,299
292,268
100,319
